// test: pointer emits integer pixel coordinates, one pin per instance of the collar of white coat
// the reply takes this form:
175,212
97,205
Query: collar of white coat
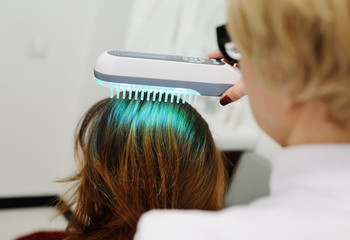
311,167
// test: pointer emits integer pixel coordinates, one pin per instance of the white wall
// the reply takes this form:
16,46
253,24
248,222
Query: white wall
47,52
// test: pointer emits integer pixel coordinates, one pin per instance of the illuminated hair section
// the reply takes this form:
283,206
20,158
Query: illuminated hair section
140,155
299,47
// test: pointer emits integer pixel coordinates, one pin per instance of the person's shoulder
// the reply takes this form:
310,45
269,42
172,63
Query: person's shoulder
44,235
195,224
261,220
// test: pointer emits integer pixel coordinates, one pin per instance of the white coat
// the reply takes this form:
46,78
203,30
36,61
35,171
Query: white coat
309,199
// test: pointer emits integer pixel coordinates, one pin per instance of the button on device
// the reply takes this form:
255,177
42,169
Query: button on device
214,61
194,60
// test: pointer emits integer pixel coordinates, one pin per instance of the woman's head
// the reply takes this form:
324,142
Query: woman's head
299,48
140,155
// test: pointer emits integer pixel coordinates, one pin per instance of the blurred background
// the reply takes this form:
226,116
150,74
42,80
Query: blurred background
47,53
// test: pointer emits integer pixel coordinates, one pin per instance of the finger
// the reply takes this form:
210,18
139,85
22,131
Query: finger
215,54
218,55
233,94
231,62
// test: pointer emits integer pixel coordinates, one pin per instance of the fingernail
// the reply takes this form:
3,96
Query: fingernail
225,100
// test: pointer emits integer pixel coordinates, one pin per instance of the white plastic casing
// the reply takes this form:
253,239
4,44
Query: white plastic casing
210,79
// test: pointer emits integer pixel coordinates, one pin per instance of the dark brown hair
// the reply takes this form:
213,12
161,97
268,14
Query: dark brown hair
139,155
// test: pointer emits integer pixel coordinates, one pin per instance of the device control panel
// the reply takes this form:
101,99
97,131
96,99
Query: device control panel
165,57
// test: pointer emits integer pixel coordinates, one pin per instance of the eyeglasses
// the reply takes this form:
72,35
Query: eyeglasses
226,46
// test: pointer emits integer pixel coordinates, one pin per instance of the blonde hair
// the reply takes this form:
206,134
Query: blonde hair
300,48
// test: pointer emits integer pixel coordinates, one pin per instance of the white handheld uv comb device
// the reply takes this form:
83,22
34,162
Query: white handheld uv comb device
165,75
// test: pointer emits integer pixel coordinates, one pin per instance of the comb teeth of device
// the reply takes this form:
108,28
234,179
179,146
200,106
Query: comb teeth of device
153,95
150,93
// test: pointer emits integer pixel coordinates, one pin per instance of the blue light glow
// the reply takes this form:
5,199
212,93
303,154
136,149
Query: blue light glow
162,93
